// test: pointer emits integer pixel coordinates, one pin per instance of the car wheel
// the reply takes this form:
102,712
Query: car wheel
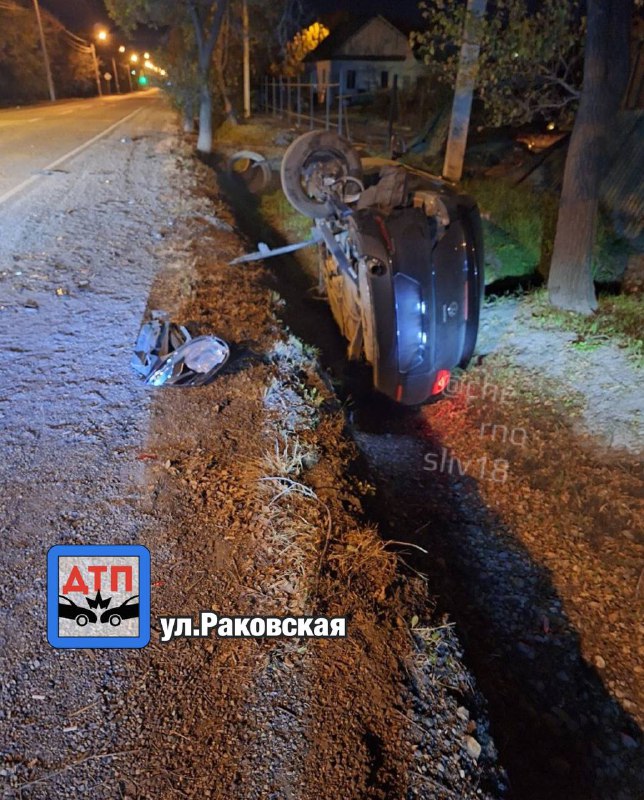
115,620
82,620
309,163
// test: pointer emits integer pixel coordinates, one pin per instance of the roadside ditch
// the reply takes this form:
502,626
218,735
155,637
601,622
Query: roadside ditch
561,731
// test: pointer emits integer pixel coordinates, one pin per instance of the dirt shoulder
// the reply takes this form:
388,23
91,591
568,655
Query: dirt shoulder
250,499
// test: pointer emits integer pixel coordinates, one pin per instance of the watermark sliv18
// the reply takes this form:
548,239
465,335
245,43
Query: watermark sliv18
483,467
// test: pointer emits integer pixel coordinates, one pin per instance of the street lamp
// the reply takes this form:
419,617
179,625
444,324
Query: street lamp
102,36
122,48
134,58
146,55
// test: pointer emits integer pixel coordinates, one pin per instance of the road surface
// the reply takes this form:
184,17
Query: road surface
34,139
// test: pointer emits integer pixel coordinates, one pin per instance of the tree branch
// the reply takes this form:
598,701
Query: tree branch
215,26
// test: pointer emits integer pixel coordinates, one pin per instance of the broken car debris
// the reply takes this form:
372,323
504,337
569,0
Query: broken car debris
166,353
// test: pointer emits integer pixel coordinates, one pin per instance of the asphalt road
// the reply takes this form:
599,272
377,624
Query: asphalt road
34,139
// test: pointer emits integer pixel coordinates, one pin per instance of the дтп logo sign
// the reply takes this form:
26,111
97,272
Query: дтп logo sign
98,596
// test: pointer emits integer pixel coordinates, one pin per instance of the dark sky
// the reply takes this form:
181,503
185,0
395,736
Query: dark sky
86,17
402,10
79,16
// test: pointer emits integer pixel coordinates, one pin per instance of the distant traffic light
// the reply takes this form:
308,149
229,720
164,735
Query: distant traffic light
142,80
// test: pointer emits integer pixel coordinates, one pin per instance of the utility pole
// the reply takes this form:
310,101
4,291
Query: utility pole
246,43
96,71
116,76
464,90
43,44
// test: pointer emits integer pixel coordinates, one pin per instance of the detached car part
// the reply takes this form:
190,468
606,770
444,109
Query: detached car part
165,353
401,261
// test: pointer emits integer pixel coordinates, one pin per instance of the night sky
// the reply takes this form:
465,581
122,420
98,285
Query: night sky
81,16
396,10
86,17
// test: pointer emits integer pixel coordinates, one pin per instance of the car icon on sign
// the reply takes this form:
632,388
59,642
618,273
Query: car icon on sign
67,609
127,610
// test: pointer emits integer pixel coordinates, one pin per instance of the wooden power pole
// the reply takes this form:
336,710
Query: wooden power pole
43,44
464,90
246,43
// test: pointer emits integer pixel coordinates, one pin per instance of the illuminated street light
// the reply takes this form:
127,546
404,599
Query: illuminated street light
134,58
146,55
122,48
148,64
102,35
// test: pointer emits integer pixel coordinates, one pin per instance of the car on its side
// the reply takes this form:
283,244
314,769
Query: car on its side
401,261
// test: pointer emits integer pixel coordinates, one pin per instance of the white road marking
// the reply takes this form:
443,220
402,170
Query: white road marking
69,110
4,197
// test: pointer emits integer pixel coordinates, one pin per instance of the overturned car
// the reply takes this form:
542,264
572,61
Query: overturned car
401,261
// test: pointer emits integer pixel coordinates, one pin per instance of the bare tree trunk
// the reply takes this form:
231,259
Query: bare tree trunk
188,114
221,56
570,283
206,35
204,142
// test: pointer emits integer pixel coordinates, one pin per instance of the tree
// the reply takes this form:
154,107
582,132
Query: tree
606,66
179,60
206,18
529,64
22,75
297,48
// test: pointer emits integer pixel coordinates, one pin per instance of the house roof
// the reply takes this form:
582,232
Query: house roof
340,35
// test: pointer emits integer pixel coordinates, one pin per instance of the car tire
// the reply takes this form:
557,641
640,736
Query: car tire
295,158
476,285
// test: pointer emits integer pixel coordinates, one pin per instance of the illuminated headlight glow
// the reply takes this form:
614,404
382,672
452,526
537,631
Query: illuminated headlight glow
410,322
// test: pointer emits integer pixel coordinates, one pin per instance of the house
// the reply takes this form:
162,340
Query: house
364,55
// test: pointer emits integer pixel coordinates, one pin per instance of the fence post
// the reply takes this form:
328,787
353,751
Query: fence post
311,103
281,96
299,102
289,100
327,97
340,99
274,97
392,110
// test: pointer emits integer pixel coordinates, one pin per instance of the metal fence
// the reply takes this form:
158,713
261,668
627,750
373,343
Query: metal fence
316,104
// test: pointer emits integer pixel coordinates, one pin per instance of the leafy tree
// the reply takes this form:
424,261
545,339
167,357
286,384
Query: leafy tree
532,65
22,73
206,18
179,60
529,64
297,48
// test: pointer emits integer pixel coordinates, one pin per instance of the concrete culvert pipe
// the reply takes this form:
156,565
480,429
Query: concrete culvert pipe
252,168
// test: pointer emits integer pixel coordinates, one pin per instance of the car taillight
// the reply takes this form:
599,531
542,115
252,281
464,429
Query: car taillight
442,379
